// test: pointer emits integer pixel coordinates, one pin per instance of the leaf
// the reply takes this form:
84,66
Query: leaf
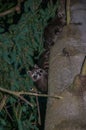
20,127
2,122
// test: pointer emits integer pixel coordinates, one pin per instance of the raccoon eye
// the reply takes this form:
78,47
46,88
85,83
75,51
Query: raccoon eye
41,71
35,76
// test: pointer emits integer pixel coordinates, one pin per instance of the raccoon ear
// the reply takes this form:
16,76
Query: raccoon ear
36,66
30,74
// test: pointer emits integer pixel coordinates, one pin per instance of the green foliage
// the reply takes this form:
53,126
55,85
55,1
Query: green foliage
17,49
7,4
6,20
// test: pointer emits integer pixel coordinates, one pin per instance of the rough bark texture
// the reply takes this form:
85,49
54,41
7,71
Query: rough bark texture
66,59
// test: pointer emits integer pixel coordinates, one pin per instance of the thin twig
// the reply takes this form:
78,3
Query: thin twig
8,113
23,99
15,93
13,9
3,102
39,116
7,11
40,95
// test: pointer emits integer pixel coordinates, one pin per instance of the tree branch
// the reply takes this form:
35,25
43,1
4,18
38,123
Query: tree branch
3,102
18,94
15,94
13,9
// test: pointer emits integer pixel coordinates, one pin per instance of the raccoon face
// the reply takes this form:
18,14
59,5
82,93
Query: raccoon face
37,73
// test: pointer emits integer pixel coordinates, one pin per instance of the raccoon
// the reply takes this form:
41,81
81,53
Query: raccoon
39,73
43,61
53,29
40,78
